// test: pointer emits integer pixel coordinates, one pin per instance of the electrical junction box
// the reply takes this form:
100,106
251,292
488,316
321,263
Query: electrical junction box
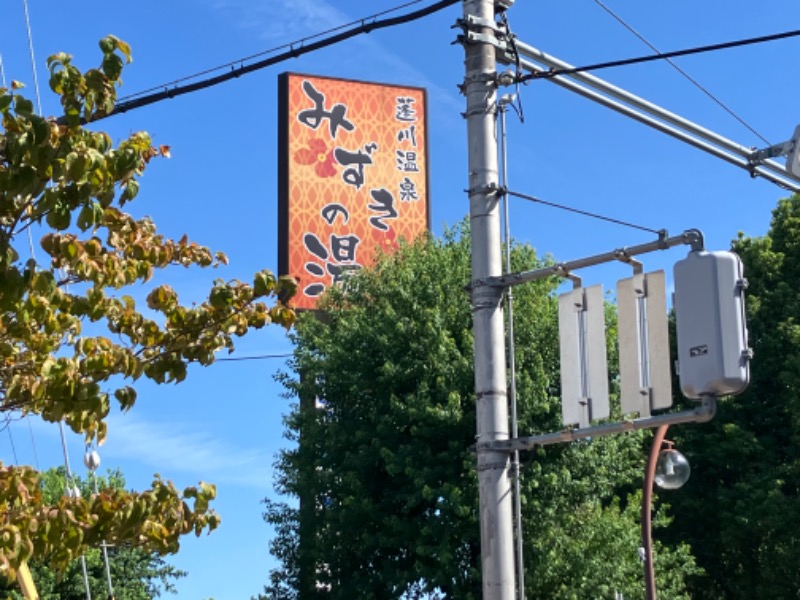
713,356
793,158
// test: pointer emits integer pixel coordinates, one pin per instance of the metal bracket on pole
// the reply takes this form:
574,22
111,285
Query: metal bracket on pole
475,32
691,237
638,267
473,37
790,149
472,22
702,414
489,189
576,281
628,104
782,149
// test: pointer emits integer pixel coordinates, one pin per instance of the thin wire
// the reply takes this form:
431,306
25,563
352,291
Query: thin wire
36,90
581,212
257,357
11,439
70,487
103,545
33,58
33,444
697,84
293,52
30,240
663,55
513,43
301,41
30,235
512,367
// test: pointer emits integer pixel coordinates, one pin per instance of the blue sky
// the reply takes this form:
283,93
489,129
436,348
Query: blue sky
224,423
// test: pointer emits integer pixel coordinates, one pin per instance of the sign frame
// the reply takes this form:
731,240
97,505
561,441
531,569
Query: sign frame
288,204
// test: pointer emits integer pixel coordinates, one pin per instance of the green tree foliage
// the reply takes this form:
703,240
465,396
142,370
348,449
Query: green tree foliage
740,509
61,179
384,468
135,574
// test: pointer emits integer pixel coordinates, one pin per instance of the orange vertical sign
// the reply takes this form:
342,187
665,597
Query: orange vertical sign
353,176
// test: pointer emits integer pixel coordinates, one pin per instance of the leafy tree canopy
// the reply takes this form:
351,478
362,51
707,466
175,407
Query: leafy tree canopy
63,180
740,508
383,468
135,574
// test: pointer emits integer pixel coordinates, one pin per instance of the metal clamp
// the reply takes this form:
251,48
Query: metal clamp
472,37
489,189
473,22
623,256
759,156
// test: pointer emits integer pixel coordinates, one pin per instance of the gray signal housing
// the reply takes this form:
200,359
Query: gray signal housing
793,158
713,356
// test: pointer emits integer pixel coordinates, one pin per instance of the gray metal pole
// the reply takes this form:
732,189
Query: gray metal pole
512,369
104,546
70,488
494,484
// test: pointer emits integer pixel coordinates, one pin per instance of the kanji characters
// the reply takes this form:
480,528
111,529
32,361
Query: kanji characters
408,190
340,259
404,109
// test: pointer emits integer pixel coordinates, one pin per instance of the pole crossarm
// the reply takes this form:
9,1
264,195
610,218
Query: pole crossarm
630,105
691,237
703,413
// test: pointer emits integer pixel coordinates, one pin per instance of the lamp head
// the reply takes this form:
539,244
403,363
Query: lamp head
672,469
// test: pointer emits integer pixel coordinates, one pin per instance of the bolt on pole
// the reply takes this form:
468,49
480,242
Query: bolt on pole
494,483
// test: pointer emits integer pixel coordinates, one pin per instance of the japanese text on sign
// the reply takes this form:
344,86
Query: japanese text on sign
353,177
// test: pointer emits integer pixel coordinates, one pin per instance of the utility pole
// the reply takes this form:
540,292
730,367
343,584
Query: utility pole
494,483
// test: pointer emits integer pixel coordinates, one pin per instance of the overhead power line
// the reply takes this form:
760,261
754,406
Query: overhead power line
256,357
663,55
582,212
290,45
295,50
672,63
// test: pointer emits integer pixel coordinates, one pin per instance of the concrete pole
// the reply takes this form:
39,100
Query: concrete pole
496,520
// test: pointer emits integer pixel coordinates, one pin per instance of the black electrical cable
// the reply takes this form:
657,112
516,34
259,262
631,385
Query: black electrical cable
662,55
289,45
257,357
363,27
696,83
513,44
581,212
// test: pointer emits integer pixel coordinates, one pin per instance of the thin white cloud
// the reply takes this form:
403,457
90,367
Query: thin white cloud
284,21
173,448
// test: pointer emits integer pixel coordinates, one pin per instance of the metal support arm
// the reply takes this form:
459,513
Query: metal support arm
703,413
691,237
630,105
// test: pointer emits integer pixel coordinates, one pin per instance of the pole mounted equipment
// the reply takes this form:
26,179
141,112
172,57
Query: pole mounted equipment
713,355
481,38
789,148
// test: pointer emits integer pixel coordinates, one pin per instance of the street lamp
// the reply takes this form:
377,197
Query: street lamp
672,468
669,469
